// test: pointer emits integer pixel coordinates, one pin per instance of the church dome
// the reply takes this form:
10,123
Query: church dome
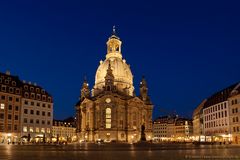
123,78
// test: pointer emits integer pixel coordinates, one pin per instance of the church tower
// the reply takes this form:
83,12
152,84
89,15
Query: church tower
144,89
85,92
114,46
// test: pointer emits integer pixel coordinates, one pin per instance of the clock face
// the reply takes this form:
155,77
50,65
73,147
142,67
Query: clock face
108,100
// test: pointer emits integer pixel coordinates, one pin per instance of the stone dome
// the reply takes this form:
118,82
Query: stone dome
123,78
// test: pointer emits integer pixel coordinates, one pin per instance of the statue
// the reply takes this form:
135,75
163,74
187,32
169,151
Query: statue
143,136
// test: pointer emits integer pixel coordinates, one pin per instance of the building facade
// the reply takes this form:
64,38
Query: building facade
21,110
112,111
216,116
198,122
36,114
172,128
10,108
63,131
234,106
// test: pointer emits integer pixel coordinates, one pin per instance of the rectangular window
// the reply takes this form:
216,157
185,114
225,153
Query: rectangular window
3,97
37,130
37,121
25,111
24,129
31,120
9,116
37,112
31,129
43,113
1,116
9,98
16,108
25,120
9,107
9,127
16,117
49,114
26,102
43,122
17,99
31,112
2,106
15,128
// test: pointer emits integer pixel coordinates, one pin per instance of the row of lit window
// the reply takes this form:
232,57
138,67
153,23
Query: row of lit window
215,108
235,119
32,89
26,102
160,131
234,110
37,112
160,128
216,116
215,124
236,129
25,120
38,96
235,101
10,107
37,130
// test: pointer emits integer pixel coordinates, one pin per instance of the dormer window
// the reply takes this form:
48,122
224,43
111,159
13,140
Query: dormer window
26,95
11,90
32,95
6,81
43,91
17,91
13,83
38,90
26,87
4,88
38,97
31,89
44,98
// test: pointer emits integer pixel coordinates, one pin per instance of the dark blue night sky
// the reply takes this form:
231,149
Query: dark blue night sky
187,50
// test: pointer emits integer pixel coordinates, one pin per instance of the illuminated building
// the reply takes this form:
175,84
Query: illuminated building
63,131
36,113
25,111
172,128
10,108
234,110
112,111
216,116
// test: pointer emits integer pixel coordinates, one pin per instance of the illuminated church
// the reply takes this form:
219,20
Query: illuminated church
111,111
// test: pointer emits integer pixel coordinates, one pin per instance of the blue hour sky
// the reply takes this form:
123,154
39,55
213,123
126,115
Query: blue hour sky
187,50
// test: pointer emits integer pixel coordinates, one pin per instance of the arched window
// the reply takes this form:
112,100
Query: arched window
108,117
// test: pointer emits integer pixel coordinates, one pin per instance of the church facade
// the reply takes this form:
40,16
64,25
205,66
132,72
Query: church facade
111,111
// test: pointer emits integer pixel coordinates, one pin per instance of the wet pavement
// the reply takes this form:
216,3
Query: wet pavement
143,151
